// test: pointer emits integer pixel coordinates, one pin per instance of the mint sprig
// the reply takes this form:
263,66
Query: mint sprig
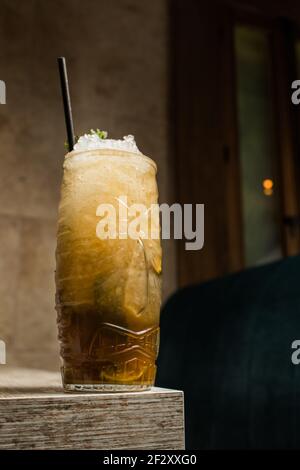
99,133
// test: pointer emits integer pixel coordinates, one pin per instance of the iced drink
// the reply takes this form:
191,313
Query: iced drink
108,290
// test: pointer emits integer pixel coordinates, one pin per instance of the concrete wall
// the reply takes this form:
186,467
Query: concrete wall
117,53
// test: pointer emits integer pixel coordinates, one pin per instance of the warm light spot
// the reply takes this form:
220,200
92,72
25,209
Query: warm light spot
268,183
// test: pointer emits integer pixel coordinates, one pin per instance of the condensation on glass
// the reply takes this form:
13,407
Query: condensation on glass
257,147
108,290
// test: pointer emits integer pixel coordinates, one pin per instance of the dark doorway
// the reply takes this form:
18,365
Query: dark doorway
235,133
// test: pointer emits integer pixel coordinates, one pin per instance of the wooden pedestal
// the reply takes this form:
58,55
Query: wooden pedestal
36,414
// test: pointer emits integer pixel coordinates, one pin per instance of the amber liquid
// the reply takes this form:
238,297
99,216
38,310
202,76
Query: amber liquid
102,354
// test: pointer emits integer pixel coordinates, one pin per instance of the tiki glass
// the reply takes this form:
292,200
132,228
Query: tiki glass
108,291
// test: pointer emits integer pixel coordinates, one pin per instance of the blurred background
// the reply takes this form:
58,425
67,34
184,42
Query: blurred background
205,87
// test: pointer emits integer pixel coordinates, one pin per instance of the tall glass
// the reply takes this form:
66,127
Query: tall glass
108,288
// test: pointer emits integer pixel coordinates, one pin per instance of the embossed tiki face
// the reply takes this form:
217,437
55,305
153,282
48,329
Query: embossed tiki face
127,353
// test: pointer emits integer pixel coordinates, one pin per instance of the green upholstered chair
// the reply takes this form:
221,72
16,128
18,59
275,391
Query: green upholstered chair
227,344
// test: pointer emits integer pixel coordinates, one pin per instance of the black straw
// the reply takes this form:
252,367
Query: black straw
67,101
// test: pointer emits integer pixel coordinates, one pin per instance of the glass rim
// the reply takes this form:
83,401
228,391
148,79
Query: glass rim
111,152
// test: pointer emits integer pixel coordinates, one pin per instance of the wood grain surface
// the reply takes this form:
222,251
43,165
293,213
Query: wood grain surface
36,414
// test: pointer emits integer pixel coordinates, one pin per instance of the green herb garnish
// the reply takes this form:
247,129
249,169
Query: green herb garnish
100,134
